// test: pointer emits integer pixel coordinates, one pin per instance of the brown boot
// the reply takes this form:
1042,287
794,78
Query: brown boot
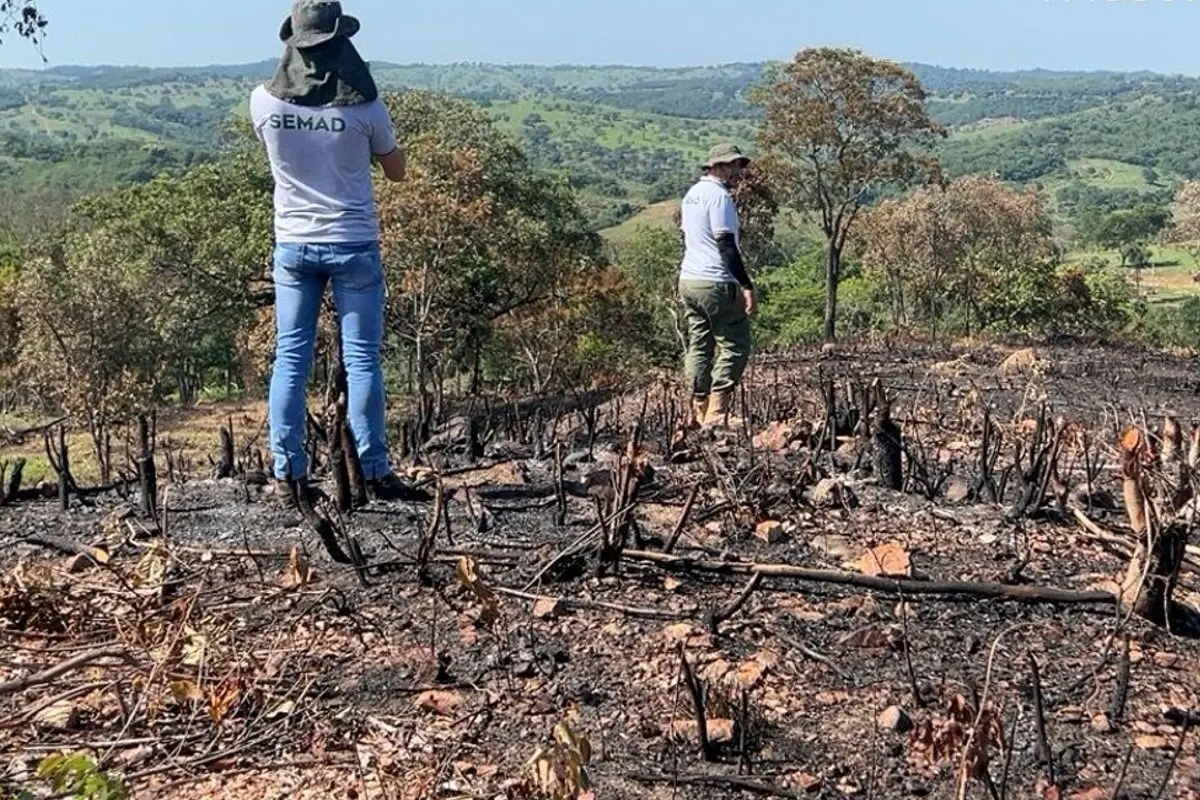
718,409
699,410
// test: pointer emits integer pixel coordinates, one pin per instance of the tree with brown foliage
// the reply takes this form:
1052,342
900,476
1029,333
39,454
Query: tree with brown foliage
472,239
839,127
1185,212
977,248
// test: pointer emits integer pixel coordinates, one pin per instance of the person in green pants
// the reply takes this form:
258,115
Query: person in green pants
716,292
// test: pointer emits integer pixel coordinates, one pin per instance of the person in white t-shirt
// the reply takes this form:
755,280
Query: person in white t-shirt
323,124
716,292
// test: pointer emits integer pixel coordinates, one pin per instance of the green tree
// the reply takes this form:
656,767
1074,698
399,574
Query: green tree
650,262
1128,231
840,126
204,239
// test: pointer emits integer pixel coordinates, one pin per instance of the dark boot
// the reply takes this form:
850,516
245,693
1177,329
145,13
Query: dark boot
391,488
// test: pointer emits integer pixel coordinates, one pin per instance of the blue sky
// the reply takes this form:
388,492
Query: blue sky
994,34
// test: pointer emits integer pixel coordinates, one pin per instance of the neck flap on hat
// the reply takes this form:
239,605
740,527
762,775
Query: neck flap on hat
332,74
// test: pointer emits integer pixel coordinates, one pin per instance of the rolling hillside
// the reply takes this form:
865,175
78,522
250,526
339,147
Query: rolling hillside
628,137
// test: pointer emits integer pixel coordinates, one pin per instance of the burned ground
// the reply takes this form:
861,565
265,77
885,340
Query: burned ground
845,638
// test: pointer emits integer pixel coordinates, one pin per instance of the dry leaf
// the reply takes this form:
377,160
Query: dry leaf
440,702
749,673
297,572
469,577
889,560
186,691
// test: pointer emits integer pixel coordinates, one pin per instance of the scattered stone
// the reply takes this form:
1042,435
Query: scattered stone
893,718
1024,361
440,702
719,730
671,584
60,716
1101,723
79,563
888,560
806,781
776,436
545,608
1166,660
770,531
1071,714
870,637
916,788
832,493
957,489
837,547
988,538
1152,742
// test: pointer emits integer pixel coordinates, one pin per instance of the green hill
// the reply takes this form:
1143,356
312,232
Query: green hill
627,137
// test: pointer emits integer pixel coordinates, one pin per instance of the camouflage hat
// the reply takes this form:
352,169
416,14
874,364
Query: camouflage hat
315,22
725,154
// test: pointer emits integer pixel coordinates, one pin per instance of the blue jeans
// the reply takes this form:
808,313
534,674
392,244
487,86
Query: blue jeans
355,272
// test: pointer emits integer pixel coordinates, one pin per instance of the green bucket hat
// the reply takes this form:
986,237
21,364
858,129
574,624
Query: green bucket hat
725,154
315,22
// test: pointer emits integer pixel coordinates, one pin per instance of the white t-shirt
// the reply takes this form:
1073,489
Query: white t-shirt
707,210
321,160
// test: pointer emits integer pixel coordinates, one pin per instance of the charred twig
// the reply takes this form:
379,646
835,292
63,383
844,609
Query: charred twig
696,691
429,540
1116,792
1044,594
1044,754
597,605
1162,787
58,670
560,491
683,518
717,616
1116,707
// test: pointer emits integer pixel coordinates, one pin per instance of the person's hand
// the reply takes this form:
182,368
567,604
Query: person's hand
750,301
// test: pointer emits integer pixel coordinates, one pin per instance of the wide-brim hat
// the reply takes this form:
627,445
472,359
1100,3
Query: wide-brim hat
315,22
726,154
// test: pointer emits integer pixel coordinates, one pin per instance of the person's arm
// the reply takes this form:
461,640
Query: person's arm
724,220
731,257
384,147
393,164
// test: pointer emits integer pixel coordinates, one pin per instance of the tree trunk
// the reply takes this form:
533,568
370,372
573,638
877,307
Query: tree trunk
833,267
147,477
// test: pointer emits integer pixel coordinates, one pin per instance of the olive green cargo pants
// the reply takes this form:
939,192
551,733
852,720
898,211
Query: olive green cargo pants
718,335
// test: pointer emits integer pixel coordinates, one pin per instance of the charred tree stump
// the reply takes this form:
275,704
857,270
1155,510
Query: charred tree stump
888,443
1156,490
358,482
1040,474
61,464
618,505
985,488
147,476
225,466
13,489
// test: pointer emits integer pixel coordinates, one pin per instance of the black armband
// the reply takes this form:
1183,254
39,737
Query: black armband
731,257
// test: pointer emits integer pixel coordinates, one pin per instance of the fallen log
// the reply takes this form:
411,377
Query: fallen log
752,785
997,591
